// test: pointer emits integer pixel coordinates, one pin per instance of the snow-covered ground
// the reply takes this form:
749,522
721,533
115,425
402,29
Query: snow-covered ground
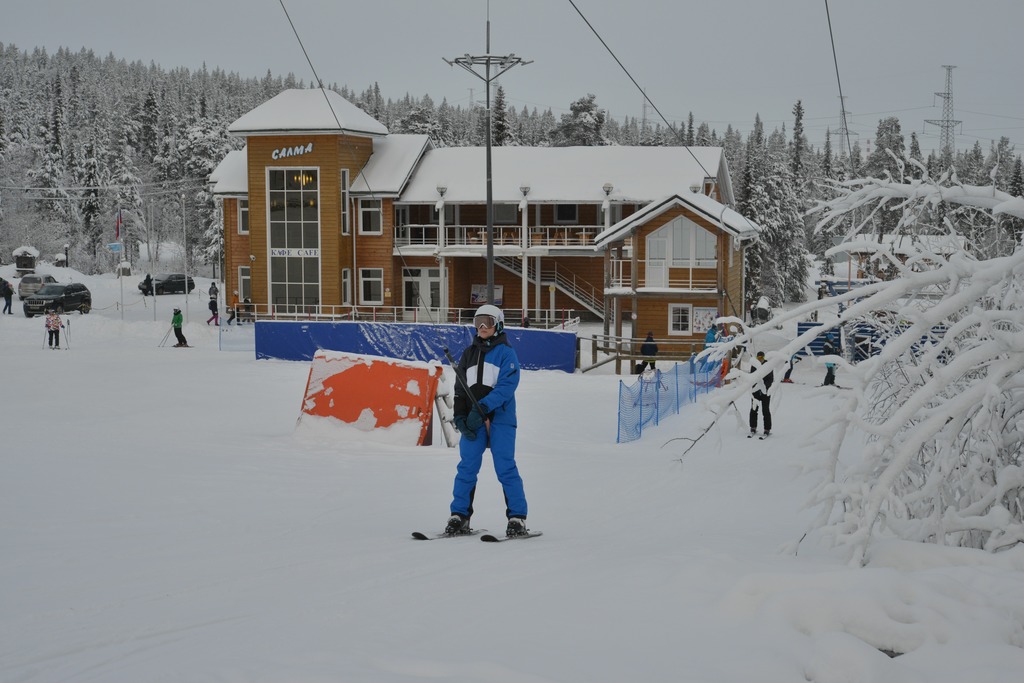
162,519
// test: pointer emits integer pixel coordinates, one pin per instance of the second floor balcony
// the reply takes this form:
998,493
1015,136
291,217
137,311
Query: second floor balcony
555,236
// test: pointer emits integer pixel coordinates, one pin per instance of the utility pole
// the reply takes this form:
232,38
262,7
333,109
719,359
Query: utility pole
947,123
502,63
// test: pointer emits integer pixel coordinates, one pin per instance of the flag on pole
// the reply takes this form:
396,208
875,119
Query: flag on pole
117,226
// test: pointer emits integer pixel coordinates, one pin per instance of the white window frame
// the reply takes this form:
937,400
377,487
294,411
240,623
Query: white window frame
672,330
367,276
345,225
346,286
686,229
572,221
401,216
367,209
243,216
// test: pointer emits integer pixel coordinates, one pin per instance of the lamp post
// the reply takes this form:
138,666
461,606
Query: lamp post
184,252
442,241
67,263
503,63
525,189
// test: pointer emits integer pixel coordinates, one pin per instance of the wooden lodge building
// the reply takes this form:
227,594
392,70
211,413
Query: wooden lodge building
327,215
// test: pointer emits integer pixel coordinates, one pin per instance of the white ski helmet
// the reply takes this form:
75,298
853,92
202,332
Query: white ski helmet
492,311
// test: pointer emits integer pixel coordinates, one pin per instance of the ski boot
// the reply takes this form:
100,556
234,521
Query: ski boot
516,527
457,525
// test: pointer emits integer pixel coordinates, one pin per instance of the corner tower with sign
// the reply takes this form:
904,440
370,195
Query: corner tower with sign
288,218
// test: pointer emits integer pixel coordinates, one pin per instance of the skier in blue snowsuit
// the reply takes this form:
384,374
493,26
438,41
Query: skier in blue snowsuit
490,369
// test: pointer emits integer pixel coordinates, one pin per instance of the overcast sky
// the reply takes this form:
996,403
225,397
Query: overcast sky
724,61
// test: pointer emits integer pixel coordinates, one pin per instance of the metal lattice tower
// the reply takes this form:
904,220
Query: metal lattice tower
947,123
844,129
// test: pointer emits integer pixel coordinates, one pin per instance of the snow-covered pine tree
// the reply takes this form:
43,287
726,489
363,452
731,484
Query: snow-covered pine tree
501,133
583,126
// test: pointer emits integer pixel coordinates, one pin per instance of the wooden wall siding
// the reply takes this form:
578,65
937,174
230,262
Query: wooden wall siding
652,314
734,304
330,154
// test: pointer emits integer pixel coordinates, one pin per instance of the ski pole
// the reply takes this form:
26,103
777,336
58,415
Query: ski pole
168,334
67,336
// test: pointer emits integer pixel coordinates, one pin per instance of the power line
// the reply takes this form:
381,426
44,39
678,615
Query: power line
845,130
642,92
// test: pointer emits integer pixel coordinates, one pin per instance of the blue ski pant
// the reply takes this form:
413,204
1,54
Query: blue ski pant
503,451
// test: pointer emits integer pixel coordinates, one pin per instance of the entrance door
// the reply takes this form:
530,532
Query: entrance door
657,270
421,289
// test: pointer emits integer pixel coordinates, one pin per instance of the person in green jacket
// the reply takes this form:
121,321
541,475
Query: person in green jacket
176,324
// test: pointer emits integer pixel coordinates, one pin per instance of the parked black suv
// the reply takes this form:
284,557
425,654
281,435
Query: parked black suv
61,298
170,283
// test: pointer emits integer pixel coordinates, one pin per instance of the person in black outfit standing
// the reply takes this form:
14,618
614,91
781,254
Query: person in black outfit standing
761,397
648,350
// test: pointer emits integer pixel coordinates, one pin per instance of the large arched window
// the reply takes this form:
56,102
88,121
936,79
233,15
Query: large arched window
689,245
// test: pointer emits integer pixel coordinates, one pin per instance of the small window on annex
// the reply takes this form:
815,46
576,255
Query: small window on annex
243,216
294,208
369,216
679,319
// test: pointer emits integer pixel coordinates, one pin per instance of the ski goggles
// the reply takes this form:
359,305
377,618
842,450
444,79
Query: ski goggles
483,321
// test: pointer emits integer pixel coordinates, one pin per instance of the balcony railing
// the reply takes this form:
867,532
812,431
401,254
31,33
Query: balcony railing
688,279
543,318
511,235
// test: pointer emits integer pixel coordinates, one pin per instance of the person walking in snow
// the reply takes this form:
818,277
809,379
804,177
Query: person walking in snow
792,361
147,285
761,397
489,367
213,290
176,321
234,308
6,291
53,325
213,309
648,350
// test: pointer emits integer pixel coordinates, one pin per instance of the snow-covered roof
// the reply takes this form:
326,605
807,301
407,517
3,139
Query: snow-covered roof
307,111
715,212
393,161
26,251
563,174
231,177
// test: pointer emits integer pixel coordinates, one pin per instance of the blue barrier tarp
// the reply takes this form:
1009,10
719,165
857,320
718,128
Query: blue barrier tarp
286,340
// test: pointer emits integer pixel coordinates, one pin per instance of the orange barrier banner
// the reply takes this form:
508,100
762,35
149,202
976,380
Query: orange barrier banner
374,393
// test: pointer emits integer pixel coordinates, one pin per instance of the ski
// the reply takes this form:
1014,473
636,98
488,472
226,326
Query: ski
491,538
420,536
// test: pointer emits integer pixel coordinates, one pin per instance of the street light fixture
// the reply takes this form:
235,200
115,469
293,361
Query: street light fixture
503,63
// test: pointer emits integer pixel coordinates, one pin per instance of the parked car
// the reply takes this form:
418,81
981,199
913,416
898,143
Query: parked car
30,284
61,298
170,283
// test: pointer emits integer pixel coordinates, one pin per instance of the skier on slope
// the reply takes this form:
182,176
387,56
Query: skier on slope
490,369
176,321
761,397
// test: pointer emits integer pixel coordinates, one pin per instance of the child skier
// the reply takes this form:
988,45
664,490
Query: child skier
53,325
490,368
